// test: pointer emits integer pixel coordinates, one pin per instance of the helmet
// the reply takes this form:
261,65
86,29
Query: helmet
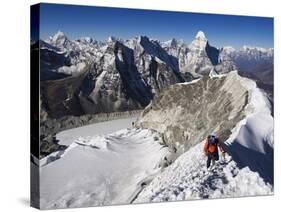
213,134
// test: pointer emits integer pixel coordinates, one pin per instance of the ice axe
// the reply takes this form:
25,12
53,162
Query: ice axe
223,156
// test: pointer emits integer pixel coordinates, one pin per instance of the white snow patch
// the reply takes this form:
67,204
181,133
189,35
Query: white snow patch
188,178
73,69
101,170
191,82
214,74
67,137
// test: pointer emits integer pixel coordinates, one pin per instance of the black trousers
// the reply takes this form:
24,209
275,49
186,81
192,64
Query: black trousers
212,156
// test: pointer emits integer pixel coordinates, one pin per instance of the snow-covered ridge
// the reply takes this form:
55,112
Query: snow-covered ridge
187,179
246,171
248,56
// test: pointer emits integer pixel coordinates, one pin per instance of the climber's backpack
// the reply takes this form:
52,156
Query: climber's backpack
212,144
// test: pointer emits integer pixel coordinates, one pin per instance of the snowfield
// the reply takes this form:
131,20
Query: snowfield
100,170
127,166
67,137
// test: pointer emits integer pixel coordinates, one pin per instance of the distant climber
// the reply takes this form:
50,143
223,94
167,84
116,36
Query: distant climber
211,146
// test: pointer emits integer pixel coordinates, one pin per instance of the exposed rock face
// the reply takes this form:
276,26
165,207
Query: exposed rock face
125,79
156,66
186,113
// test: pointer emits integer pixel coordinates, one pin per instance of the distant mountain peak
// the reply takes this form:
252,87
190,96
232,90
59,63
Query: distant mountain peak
111,39
59,32
200,35
86,39
58,40
173,42
58,35
228,49
143,38
200,42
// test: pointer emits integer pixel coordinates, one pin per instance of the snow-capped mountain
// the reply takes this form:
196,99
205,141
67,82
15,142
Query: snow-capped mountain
176,54
117,83
254,61
127,75
197,58
123,75
79,50
59,40
179,50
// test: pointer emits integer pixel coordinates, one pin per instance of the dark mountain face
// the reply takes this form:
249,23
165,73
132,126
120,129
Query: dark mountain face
213,54
154,49
51,59
61,97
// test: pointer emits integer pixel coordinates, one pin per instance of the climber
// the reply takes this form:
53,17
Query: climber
211,145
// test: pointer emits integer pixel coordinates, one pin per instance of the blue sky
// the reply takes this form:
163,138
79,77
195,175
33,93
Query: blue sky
101,22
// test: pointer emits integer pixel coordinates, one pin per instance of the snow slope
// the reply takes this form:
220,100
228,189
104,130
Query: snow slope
187,178
67,137
246,171
100,170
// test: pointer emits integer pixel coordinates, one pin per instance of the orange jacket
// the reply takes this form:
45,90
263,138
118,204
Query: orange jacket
212,148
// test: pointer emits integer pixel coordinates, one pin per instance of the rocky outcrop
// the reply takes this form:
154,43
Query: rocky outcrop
186,113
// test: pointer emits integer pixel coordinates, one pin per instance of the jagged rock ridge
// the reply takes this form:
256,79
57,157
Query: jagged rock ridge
186,113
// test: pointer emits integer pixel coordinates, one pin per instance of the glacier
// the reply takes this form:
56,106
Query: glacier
100,169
